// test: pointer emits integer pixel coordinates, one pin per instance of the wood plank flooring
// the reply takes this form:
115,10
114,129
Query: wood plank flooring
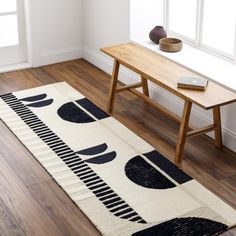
31,203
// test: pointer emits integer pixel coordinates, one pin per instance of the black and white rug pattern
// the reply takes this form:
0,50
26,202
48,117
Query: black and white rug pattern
118,180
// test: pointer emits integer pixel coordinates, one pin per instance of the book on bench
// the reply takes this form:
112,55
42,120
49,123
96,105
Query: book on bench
196,83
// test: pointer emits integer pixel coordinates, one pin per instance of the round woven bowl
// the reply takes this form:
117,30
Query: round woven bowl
170,44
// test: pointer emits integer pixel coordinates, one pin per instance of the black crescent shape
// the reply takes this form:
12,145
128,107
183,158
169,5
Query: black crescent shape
102,159
93,150
34,98
41,104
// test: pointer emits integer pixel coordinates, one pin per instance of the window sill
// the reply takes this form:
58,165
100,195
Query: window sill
216,69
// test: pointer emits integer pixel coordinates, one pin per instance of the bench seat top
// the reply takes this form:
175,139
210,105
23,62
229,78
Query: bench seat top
166,73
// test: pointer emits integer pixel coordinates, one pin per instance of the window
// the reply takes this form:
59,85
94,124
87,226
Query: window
178,16
8,23
13,45
206,24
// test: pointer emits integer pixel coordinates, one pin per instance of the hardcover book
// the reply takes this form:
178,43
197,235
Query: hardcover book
196,83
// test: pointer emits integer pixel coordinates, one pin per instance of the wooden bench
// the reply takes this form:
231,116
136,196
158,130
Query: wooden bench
166,73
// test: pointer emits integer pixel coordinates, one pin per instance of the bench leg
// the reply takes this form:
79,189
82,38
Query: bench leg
217,123
145,86
113,85
183,131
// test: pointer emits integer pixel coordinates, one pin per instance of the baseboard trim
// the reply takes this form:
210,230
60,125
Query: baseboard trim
60,55
20,66
199,117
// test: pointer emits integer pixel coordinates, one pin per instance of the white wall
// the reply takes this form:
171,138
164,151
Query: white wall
107,22
144,17
56,30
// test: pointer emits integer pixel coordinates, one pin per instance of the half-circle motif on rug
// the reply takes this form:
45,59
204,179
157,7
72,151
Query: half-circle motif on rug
142,173
34,98
102,159
168,167
92,109
189,226
93,150
72,113
40,104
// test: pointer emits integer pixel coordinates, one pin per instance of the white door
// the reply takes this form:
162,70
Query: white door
12,32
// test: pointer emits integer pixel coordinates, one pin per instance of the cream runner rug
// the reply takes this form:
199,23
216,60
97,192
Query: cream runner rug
118,180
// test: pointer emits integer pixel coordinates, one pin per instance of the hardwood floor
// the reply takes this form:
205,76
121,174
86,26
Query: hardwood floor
31,203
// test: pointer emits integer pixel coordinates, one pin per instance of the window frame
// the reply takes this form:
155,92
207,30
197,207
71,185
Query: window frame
197,42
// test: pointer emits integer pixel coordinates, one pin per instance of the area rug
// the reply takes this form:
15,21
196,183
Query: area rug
118,180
